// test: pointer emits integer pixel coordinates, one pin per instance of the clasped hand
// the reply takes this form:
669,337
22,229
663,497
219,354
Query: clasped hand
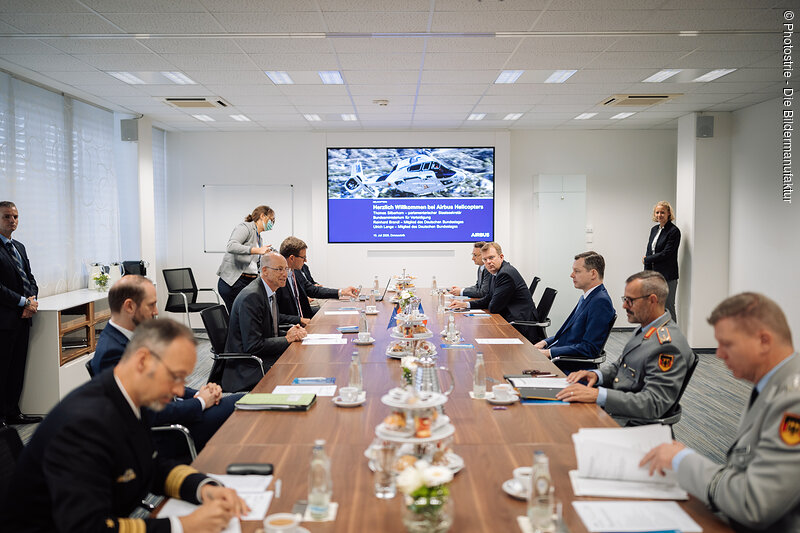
220,504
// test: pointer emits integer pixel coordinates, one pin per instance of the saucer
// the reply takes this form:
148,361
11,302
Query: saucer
359,401
491,399
511,486
361,343
370,313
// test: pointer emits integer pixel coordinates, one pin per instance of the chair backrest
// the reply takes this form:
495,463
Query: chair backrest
689,372
89,368
546,303
608,333
534,283
179,280
134,267
10,448
215,320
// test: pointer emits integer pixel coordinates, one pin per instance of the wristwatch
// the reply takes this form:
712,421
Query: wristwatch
28,304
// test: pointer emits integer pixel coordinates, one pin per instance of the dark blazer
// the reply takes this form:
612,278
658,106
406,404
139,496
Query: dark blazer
89,465
584,332
11,284
508,296
315,291
307,273
287,303
250,331
665,260
481,286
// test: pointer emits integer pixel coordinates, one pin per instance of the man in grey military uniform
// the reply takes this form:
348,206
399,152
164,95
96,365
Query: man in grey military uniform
757,487
644,383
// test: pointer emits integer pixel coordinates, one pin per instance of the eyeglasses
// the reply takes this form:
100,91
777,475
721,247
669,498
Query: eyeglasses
178,380
282,269
629,301
303,257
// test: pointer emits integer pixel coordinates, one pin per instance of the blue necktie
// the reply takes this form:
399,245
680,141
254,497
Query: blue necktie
578,307
26,284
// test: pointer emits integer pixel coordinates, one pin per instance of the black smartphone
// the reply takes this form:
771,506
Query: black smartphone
244,469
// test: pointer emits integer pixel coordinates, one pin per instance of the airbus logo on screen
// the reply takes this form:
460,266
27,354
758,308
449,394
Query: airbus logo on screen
478,234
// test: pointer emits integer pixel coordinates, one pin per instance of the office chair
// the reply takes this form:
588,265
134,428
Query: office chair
10,448
586,362
177,429
135,267
534,283
537,328
215,319
183,292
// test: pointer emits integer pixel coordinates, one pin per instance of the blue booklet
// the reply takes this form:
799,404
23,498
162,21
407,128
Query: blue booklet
347,329
314,381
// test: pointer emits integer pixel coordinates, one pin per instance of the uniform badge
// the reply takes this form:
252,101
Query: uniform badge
110,523
789,429
663,335
128,475
665,361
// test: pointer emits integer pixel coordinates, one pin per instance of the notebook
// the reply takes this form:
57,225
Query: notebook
535,388
276,402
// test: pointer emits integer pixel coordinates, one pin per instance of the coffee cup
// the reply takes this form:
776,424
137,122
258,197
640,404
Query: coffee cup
522,475
281,523
363,336
503,392
372,309
348,394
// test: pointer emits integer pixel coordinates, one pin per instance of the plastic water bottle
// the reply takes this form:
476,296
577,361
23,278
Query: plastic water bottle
320,484
434,288
540,512
376,286
355,379
479,377
363,326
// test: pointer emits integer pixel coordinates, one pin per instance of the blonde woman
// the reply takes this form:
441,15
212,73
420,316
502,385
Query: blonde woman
662,250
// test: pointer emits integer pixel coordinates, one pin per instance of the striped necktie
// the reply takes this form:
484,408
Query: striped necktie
296,292
274,311
26,283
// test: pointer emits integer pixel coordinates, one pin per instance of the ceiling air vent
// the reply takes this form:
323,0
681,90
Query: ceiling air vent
196,102
640,100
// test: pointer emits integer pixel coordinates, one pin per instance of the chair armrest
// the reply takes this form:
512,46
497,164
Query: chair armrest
545,324
241,356
573,359
183,431
211,290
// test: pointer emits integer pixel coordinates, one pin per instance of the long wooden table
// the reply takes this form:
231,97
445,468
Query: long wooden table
491,442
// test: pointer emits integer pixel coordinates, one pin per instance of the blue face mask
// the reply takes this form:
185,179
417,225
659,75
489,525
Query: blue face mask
269,225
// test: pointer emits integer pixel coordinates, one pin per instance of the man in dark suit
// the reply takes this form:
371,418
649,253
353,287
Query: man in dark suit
508,294
253,327
18,291
293,297
481,286
585,331
132,300
91,461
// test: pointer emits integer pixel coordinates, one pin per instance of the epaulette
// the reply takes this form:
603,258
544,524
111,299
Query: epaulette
792,384
663,334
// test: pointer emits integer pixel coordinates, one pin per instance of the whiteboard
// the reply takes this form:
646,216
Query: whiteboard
225,206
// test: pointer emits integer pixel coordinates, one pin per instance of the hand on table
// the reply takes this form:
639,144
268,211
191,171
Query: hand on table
220,504
577,393
540,345
457,304
455,291
348,292
546,353
305,321
211,393
660,458
296,333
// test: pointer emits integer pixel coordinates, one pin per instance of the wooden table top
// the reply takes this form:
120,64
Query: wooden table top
492,442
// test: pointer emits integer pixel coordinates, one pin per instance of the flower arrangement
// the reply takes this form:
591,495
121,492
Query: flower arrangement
405,297
408,364
426,492
101,281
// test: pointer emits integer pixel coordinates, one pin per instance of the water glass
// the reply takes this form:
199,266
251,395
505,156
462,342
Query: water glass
383,459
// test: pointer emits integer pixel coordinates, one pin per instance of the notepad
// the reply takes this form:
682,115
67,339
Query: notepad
279,402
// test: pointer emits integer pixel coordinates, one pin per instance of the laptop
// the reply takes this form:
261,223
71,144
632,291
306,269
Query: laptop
380,298
532,393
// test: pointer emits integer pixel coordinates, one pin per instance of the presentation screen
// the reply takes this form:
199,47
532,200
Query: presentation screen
410,194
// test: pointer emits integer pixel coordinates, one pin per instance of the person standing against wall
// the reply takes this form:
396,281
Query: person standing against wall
662,250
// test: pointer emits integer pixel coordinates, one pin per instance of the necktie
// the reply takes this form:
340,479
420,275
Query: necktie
296,295
753,396
580,303
26,284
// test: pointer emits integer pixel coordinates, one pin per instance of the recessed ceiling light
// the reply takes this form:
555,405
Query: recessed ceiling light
204,118
509,76
127,77
621,115
584,116
714,74
240,118
279,77
178,77
512,116
476,116
312,118
661,75
331,77
349,117
560,76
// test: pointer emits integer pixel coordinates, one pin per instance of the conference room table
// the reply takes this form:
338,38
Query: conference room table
491,441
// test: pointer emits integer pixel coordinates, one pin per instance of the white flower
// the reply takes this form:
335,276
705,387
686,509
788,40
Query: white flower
409,480
409,362
437,475
405,295
422,465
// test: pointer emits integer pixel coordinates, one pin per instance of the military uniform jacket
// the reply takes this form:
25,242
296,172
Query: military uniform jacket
647,378
89,465
758,488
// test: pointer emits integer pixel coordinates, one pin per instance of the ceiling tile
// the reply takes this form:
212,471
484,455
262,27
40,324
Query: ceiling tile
41,6
712,60
146,6
93,77
209,61
398,77
259,6
98,46
392,22
286,46
481,44
10,45
383,91
126,62
489,21
295,61
437,89
448,77
616,60
555,61
378,61
473,61
226,91
192,46
244,77
49,62
166,22
378,45
375,5
271,22
62,23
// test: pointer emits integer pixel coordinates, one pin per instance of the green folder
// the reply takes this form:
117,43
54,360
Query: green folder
276,402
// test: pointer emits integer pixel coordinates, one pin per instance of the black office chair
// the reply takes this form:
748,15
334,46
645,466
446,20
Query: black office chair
10,448
215,319
673,415
135,267
176,429
537,330
183,292
584,362
534,284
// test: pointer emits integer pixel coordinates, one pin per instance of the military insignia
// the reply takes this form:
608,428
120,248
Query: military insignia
663,335
649,332
789,429
109,523
665,361
128,475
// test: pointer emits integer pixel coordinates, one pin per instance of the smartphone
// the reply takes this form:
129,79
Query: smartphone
244,469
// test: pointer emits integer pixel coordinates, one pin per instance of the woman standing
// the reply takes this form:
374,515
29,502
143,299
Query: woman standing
240,264
662,250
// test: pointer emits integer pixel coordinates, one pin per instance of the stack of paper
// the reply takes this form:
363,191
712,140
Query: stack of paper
270,402
608,464
627,516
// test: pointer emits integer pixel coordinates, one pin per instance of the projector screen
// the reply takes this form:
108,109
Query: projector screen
410,194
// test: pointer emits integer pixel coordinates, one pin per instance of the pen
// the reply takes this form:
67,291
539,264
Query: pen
278,488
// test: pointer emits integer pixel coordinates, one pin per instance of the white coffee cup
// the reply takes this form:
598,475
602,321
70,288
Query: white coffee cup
503,392
363,336
349,394
372,309
281,523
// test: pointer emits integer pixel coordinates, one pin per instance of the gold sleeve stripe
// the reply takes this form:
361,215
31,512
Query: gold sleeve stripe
176,477
132,525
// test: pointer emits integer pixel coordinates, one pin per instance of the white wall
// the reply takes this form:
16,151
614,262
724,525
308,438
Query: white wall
764,244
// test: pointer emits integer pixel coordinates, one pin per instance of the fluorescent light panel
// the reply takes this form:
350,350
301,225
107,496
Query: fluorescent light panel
349,117
714,74
661,75
312,118
560,76
279,77
585,116
127,77
204,118
621,116
509,76
331,77
179,78
240,118
512,116
477,116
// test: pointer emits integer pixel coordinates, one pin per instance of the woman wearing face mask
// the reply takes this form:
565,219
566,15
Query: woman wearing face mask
662,250
240,264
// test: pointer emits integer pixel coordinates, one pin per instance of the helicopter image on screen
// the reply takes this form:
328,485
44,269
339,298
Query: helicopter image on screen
419,175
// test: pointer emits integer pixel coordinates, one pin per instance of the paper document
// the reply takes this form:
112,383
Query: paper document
539,383
257,501
610,488
634,516
324,336
341,312
327,340
502,340
319,390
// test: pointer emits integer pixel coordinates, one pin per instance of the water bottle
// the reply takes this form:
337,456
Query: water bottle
355,379
434,288
363,326
540,511
479,377
451,326
376,286
320,484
